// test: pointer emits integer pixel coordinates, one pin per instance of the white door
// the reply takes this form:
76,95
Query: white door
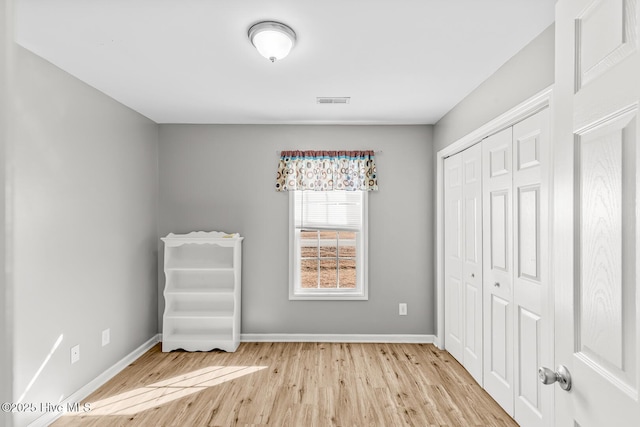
531,323
454,333
517,321
596,194
472,260
498,268
463,262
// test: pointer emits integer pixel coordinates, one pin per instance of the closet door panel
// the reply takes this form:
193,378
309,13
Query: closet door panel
499,231
500,333
533,400
472,264
528,392
497,160
453,291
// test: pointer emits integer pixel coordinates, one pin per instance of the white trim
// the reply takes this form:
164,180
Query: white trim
511,117
339,338
48,418
503,121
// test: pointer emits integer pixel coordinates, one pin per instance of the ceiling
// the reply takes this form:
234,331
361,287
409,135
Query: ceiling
190,61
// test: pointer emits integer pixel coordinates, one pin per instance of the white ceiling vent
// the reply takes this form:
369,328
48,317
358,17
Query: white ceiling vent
333,100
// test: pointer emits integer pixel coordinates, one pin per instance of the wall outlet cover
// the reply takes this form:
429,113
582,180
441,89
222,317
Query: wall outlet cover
106,337
402,309
75,353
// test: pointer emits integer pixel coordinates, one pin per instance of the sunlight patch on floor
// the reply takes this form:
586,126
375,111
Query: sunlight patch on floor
165,391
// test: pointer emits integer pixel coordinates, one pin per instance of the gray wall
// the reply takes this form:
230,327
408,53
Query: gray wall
6,333
528,72
85,171
221,177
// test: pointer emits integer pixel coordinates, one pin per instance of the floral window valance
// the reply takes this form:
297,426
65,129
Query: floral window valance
327,171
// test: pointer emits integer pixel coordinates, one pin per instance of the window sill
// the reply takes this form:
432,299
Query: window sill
324,296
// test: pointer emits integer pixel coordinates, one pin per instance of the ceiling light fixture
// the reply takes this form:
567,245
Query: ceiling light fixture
273,40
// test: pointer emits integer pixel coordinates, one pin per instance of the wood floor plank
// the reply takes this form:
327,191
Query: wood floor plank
293,384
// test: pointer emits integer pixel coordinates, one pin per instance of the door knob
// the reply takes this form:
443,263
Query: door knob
497,284
561,376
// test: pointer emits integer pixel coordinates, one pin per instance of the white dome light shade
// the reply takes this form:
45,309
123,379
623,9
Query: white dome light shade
273,40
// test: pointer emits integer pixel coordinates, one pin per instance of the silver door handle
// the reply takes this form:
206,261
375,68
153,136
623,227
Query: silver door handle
497,284
561,376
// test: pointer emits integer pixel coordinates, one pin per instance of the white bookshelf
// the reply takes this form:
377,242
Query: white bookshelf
202,291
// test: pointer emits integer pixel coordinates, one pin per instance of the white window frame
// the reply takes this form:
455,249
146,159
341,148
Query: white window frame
361,291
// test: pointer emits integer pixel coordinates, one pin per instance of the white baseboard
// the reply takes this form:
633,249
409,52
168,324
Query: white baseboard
338,338
438,343
101,379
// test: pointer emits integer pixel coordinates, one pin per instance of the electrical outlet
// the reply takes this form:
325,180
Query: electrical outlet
402,309
75,354
106,337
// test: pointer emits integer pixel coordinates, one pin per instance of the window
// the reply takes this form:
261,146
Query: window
328,247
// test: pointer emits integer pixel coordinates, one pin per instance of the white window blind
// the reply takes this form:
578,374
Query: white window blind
335,210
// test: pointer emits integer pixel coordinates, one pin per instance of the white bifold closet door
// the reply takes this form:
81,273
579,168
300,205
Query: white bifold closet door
515,216
463,259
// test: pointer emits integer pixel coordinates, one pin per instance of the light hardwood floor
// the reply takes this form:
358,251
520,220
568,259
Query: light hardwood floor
293,384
